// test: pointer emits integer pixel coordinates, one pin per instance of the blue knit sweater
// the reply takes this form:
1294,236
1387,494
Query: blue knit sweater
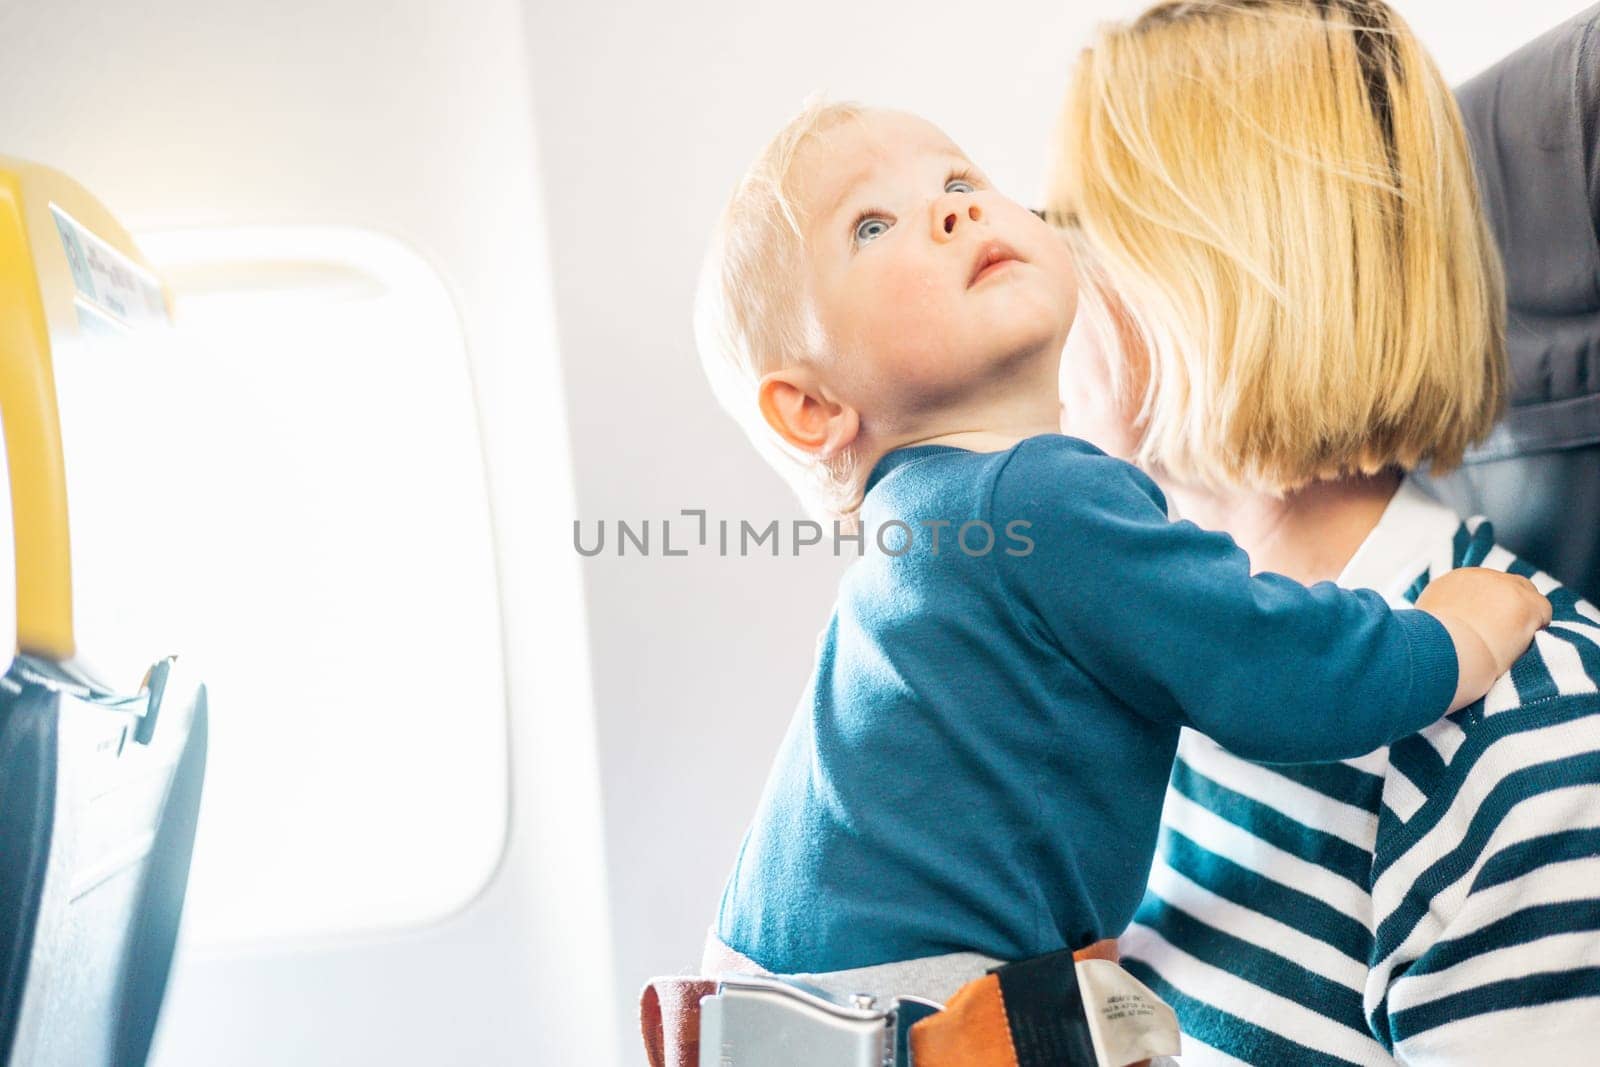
979,758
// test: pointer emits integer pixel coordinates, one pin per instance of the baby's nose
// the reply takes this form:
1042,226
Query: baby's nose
949,217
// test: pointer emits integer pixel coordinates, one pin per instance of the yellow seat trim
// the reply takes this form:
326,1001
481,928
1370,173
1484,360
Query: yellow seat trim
36,303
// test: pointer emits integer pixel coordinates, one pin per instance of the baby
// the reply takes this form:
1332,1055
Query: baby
979,759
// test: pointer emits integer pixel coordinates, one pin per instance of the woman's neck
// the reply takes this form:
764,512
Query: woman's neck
1309,535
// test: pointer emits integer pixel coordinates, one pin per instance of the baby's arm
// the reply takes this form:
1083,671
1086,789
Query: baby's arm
1491,617
1168,617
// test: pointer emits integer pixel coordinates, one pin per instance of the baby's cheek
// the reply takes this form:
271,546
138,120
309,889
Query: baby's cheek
917,309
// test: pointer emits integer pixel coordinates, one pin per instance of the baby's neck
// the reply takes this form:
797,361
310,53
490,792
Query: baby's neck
992,424
982,440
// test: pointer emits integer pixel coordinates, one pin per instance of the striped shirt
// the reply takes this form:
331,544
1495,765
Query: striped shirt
1433,902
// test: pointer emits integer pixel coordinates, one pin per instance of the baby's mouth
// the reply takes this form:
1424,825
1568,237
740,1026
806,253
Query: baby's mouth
993,257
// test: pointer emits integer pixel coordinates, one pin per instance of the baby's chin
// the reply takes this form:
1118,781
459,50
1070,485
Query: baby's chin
1024,309
1031,356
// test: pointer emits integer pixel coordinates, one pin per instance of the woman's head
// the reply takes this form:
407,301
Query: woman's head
1276,212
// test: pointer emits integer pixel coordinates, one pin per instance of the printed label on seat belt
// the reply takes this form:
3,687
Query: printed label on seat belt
1127,1022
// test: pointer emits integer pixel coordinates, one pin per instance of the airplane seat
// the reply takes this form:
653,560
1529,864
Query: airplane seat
102,734
1533,120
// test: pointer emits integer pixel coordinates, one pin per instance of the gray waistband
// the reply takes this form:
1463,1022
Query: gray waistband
933,977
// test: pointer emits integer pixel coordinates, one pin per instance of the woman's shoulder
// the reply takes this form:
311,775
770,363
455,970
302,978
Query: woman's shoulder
1564,660
1526,755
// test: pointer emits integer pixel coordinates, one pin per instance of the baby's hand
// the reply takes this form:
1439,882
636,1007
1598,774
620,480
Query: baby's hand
1492,617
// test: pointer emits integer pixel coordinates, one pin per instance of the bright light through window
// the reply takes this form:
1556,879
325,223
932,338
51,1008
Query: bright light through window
341,600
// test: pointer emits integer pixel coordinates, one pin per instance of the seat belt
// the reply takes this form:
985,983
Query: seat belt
1063,1009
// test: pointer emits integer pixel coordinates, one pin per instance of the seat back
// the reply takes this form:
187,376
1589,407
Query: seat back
99,830
1532,120
100,763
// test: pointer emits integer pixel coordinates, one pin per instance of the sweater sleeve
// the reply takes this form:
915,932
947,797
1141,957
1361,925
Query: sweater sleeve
1168,618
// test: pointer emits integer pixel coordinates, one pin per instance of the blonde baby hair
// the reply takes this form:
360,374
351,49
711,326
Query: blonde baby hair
751,315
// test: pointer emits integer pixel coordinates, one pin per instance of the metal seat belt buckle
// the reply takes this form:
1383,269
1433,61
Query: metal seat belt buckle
762,1021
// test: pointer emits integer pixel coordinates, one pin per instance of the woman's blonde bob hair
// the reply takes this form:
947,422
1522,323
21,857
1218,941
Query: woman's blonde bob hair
1276,198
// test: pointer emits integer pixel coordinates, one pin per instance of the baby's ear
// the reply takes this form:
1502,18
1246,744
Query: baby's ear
802,411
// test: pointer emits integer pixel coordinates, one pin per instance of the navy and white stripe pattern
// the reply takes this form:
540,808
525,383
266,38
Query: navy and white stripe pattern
1435,902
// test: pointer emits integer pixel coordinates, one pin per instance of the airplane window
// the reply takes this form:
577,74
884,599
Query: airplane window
340,602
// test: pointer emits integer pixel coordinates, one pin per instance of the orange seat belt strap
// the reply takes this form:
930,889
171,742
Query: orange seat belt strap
1024,1014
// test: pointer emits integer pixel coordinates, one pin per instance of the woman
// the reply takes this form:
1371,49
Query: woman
1292,300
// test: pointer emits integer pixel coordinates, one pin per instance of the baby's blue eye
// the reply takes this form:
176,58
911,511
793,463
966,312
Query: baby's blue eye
870,228
966,186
